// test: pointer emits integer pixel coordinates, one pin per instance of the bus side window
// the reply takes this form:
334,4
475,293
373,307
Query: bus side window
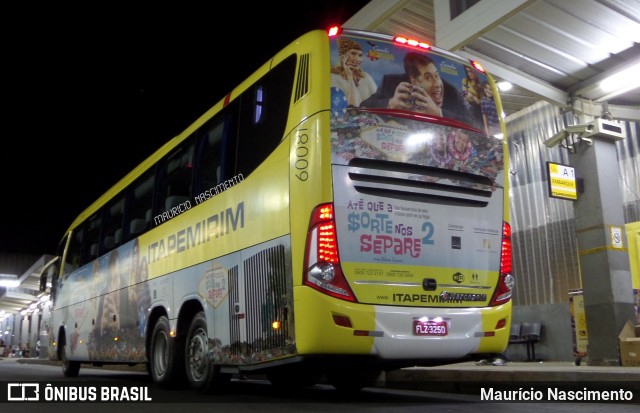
91,239
263,122
175,178
208,164
139,206
112,230
73,259
258,105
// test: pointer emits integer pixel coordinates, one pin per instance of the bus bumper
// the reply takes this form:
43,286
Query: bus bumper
325,325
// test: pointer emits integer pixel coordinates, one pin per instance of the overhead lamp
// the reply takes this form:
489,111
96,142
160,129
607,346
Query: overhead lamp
9,280
624,79
503,86
619,83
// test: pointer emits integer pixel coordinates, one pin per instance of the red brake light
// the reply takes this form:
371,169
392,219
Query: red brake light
334,31
506,253
327,245
478,66
322,262
411,42
506,281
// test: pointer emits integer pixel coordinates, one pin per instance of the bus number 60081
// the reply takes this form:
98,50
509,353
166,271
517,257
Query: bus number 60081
302,151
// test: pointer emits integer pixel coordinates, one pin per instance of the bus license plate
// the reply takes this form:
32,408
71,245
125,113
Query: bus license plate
429,328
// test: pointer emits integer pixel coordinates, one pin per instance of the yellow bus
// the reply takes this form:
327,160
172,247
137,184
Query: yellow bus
340,213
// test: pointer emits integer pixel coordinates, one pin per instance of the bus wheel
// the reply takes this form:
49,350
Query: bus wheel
165,361
69,368
202,374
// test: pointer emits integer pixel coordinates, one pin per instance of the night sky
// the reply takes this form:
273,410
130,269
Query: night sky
88,95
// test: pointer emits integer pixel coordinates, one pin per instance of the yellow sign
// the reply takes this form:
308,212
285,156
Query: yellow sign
579,324
562,181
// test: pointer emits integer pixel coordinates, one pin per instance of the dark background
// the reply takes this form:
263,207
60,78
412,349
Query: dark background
89,94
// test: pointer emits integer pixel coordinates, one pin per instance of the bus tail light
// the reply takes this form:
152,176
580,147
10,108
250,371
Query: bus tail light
322,261
334,31
478,66
412,42
506,281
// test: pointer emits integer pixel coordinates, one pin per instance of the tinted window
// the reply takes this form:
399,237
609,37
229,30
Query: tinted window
264,108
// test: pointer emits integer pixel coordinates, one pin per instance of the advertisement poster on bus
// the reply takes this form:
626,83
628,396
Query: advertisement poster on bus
418,166
375,74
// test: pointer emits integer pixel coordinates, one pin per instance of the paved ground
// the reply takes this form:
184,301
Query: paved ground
455,377
515,373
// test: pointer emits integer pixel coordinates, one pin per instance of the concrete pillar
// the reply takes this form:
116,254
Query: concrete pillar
24,331
604,258
34,332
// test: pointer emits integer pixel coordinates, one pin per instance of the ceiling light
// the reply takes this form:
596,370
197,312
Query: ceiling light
503,86
627,78
9,280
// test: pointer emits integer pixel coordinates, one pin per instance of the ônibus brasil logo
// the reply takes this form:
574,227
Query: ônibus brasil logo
34,392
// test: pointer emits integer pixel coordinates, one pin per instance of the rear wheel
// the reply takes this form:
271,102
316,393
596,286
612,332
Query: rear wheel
166,363
69,368
202,374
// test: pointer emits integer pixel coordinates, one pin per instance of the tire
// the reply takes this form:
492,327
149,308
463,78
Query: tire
202,375
166,362
69,368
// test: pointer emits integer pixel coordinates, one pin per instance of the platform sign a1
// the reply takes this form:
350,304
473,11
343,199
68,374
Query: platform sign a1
562,181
